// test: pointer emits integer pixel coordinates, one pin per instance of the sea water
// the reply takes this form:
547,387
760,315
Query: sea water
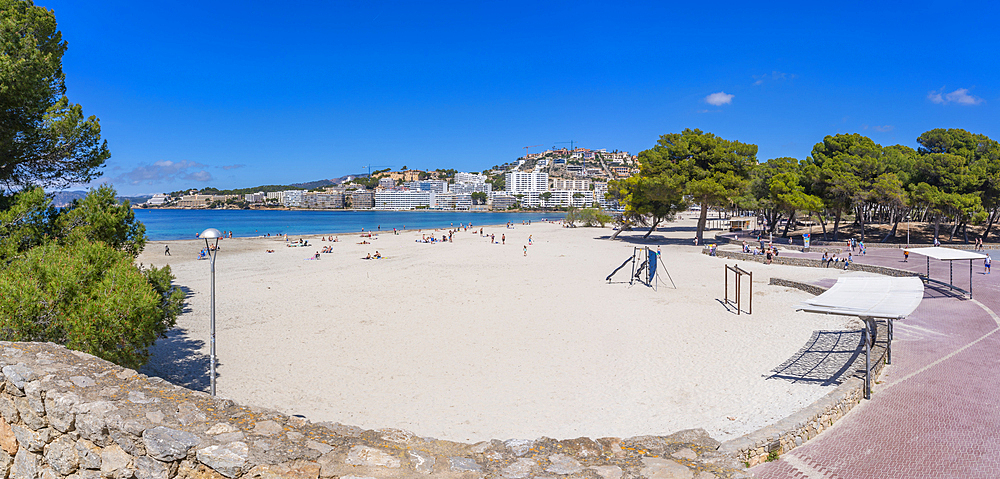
174,224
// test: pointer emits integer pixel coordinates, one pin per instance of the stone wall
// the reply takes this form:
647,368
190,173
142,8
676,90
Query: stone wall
795,430
812,263
67,414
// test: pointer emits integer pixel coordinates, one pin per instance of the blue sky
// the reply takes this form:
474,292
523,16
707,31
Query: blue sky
237,94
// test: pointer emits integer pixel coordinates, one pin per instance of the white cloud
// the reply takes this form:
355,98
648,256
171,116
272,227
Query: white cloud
719,99
164,171
774,75
960,96
883,128
232,167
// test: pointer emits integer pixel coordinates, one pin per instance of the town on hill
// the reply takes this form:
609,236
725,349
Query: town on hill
553,179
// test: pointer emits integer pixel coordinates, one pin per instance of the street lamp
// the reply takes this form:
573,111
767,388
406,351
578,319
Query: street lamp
213,251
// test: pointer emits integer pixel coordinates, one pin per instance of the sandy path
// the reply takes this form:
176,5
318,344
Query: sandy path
470,340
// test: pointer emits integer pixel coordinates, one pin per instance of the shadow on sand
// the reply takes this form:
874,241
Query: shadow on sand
177,358
824,359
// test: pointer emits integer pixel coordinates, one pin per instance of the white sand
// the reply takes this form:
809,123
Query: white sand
470,341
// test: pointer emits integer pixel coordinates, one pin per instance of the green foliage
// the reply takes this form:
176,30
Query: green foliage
44,139
69,277
99,217
712,170
88,296
479,198
648,200
26,221
588,216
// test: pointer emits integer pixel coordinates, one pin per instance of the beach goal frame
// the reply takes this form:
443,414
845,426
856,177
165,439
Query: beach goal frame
738,274
645,263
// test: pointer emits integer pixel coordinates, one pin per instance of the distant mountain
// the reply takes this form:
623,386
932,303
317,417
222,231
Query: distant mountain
61,199
64,198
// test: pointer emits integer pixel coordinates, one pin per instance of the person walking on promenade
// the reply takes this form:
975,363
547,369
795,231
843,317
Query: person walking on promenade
166,250
906,256
987,262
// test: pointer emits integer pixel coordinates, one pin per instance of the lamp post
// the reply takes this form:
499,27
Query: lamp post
213,251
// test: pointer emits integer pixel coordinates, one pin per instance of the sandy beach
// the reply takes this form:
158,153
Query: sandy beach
470,340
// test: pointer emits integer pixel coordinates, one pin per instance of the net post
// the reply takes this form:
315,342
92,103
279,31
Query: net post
726,294
868,360
750,310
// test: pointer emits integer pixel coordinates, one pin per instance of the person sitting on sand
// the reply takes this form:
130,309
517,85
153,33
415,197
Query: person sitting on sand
377,255
368,257
317,255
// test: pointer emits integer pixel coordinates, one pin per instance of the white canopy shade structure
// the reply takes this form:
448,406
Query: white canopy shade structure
870,297
950,255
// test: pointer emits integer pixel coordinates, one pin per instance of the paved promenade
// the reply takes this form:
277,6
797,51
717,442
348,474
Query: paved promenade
935,412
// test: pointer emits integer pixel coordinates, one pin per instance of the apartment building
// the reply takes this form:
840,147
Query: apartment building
292,198
519,182
577,198
323,199
469,188
362,199
403,199
569,184
470,178
386,182
436,186
194,201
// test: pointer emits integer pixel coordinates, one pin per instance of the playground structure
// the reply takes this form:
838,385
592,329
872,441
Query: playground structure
645,262
738,274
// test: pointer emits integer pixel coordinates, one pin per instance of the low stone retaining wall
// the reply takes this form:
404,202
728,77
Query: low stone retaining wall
809,288
793,431
812,263
67,414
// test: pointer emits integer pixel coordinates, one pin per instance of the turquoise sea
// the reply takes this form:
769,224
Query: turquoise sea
169,224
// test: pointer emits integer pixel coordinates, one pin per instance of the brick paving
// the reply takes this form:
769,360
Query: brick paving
935,412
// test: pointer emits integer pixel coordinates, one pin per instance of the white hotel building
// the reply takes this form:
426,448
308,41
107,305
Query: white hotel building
530,185
403,199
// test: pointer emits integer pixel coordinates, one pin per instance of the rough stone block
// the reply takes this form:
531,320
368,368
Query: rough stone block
519,469
62,456
423,462
464,464
659,468
168,444
230,460
608,472
5,462
92,427
370,456
519,447
28,414
115,463
292,470
89,454
221,428
59,410
267,428
33,441
8,441
129,443
18,374
8,410
25,465
149,468
563,464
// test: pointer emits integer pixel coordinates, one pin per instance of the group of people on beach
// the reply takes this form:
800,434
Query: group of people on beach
829,259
